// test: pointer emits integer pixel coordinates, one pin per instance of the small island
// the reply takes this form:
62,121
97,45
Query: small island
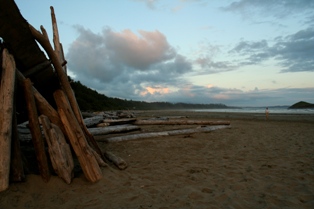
301,105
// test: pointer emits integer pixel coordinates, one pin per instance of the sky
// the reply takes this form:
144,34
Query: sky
232,52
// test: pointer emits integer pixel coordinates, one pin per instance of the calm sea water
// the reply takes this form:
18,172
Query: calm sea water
274,110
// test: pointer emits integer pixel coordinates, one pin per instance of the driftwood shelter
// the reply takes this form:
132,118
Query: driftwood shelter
35,90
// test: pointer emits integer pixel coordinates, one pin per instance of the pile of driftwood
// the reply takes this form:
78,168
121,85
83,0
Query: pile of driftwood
110,123
62,123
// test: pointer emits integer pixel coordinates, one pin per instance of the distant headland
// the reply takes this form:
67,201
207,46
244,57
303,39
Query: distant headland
301,105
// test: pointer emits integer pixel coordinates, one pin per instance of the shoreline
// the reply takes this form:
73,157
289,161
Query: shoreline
227,115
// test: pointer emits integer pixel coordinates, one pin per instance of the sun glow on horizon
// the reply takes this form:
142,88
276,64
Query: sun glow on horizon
155,90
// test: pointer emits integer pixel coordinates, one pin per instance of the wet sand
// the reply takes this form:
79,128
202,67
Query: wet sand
253,164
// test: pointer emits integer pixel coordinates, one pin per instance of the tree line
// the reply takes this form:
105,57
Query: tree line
90,100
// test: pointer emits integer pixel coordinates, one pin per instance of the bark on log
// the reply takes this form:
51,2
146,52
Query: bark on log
117,161
59,150
113,129
180,122
6,116
44,42
77,138
164,133
34,126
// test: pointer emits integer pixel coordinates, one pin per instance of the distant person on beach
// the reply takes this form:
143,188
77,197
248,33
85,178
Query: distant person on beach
267,113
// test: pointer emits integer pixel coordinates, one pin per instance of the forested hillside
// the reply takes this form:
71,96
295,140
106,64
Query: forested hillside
91,100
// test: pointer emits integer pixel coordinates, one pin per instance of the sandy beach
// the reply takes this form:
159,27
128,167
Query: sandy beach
255,163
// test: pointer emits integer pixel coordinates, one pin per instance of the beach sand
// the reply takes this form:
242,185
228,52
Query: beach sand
253,164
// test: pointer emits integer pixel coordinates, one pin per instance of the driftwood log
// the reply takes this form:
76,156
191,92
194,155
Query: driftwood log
6,116
119,121
93,121
59,150
77,138
113,129
56,40
117,161
34,127
164,133
180,122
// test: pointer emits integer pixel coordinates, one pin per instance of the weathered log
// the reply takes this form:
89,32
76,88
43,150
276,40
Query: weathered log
103,125
167,117
37,68
6,116
17,171
100,161
77,138
118,161
180,122
113,129
56,39
93,121
59,150
42,104
164,133
65,85
34,126
119,121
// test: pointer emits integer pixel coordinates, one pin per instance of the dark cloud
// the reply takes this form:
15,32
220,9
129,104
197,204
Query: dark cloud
294,52
209,66
124,63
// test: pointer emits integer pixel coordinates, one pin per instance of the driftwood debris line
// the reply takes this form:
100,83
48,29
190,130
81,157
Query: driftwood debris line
180,122
164,133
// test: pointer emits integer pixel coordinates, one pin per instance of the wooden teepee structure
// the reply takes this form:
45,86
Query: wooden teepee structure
36,89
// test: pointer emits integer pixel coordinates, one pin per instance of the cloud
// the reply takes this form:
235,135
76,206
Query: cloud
294,53
274,8
149,3
138,51
208,66
124,64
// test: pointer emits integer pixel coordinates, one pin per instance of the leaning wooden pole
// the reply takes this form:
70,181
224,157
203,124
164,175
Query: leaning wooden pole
42,104
56,40
34,126
6,116
43,39
77,138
